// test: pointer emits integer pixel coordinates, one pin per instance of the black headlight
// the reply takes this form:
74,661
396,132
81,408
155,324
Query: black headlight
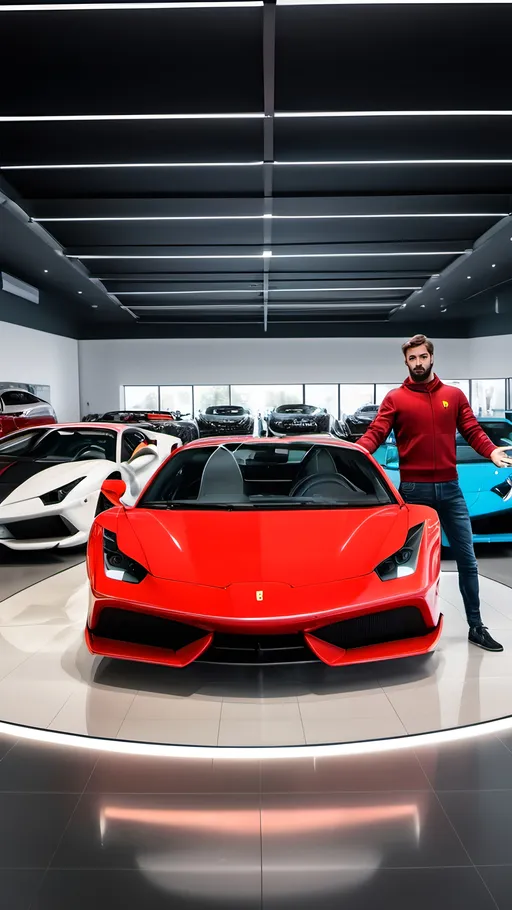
55,496
117,564
405,559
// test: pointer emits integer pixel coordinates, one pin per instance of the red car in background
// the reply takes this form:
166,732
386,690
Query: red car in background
264,551
20,409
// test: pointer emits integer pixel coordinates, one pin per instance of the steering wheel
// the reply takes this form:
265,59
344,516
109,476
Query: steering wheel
89,452
309,485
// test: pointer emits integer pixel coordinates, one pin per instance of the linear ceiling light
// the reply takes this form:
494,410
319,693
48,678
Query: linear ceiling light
268,254
349,114
272,306
65,118
384,2
136,218
385,162
258,290
99,7
390,162
169,164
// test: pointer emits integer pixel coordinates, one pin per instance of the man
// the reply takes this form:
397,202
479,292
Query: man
425,415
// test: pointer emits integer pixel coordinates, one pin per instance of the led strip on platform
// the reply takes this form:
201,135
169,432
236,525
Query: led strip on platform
325,750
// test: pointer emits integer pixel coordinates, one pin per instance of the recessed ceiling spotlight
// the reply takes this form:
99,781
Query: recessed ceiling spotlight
422,306
493,266
45,271
443,310
94,306
468,277
438,289
441,298
79,292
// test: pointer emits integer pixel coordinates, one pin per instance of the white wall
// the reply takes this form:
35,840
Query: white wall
491,356
27,355
105,366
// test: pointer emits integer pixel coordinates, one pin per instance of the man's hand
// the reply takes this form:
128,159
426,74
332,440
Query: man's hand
499,458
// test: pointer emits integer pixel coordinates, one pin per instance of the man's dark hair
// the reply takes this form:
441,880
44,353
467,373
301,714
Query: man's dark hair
415,342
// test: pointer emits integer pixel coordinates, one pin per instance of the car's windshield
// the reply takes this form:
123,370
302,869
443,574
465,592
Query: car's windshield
498,431
296,409
73,444
267,476
226,411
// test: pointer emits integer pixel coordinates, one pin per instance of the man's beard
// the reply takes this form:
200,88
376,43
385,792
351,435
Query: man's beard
421,374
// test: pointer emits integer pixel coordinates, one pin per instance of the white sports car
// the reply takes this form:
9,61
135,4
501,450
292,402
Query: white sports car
51,477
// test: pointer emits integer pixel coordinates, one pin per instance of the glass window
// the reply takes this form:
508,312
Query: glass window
260,475
382,390
207,396
264,398
462,384
131,439
176,398
488,397
323,396
141,397
353,397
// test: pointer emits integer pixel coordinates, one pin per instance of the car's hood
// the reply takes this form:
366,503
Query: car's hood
298,548
25,478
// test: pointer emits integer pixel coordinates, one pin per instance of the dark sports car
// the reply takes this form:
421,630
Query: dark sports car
170,422
353,426
288,419
226,420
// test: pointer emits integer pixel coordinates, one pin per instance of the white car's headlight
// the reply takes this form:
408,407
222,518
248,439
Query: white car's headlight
55,496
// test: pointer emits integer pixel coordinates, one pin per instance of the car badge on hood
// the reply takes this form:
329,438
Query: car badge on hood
259,595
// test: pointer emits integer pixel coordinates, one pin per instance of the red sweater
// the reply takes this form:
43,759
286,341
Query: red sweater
425,418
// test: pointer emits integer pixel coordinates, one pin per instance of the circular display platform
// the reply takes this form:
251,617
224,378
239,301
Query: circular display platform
49,680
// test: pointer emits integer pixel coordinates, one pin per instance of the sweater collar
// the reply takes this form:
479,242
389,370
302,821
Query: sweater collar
431,386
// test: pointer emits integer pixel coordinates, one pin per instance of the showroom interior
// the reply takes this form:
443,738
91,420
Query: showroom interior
221,209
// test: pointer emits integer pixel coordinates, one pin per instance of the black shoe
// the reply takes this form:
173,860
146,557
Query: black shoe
479,635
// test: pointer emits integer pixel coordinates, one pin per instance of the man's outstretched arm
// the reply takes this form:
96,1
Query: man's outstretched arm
380,428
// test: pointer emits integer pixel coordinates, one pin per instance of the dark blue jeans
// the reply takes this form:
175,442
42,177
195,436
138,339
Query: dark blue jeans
450,505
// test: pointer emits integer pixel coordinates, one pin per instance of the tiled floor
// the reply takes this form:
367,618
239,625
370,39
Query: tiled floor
423,830
48,679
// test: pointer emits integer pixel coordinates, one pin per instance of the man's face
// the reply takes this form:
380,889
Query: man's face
419,363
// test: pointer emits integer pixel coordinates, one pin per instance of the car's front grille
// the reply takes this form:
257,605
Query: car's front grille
45,528
258,649
145,629
374,628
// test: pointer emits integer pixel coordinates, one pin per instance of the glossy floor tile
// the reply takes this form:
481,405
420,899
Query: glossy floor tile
363,885
483,821
31,826
42,649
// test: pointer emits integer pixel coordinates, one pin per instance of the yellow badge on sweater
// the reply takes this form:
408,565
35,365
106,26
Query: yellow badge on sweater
445,404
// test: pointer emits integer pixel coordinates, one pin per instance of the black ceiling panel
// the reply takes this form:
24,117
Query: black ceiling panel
393,57
132,62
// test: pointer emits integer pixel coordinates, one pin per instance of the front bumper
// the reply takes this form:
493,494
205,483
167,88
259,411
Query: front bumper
342,623
29,525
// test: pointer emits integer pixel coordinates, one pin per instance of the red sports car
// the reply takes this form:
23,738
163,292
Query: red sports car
266,551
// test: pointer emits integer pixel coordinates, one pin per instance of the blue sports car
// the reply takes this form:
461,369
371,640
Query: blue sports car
487,489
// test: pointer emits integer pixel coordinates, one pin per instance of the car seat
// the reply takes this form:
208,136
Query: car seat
222,479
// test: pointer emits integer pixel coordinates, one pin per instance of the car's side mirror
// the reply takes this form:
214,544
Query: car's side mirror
113,490
392,457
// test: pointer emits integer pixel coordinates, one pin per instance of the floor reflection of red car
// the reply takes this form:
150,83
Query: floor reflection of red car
264,551
20,409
